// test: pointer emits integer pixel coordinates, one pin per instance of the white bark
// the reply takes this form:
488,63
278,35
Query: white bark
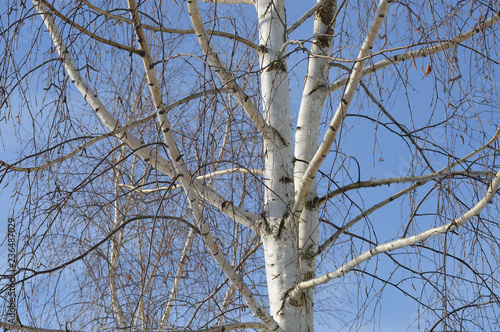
279,233
306,142
346,98
211,175
304,17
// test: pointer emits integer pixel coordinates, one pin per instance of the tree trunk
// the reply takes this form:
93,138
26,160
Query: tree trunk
279,231
306,142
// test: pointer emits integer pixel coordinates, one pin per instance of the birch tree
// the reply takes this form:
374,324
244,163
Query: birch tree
251,164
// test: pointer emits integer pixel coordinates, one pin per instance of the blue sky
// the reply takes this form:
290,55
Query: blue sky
398,311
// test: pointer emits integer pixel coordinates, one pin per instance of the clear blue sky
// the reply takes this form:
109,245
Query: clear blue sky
398,311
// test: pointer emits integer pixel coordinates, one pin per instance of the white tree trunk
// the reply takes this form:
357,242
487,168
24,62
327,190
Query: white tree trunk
279,231
306,142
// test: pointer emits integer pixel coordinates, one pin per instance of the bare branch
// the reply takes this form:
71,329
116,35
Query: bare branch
88,33
201,177
149,156
472,305
304,17
403,129
228,327
338,119
394,59
112,133
418,181
218,288
403,242
226,76
169,30
422,178
116,245
117,228
138,224
177,280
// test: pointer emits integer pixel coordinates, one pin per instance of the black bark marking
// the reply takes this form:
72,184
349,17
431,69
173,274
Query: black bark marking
277,65
285,179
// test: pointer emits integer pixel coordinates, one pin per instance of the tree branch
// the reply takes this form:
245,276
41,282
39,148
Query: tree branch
116,245
418,182
336,123
402,242
88,33
394,59
149,156
228,327
422,178
225,75
98,244
112,133
201,177
304,17
448,314
169,30
177,281
218,288
401,127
